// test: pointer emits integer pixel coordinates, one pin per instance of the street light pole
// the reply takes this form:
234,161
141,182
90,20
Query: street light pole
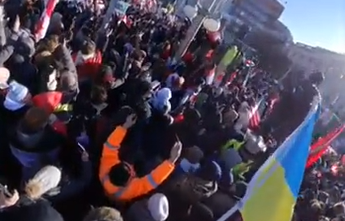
207,9
190,35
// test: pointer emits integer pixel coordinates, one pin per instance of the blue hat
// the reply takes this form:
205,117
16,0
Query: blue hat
15,96
210,171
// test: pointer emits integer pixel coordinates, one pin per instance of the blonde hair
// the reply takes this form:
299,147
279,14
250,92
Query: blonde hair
44,57
104,213
323,218
317,206
339,208
44,180
52,43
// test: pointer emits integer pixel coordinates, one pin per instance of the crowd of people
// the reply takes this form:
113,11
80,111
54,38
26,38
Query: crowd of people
107,125
322,193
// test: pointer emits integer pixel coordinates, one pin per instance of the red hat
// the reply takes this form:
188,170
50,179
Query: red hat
48,100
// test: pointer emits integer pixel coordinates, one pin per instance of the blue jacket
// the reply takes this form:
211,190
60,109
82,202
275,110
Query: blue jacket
36,150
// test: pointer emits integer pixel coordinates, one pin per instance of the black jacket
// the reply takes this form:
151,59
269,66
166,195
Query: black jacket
26,209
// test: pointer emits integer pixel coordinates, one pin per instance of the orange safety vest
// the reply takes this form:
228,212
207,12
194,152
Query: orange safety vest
136,186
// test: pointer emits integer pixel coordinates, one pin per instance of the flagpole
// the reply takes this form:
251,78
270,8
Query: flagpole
108,15
229,213
190,35
207,9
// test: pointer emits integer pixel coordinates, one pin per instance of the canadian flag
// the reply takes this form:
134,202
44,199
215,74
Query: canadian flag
146,5
218,79
43,23
128,22
254,115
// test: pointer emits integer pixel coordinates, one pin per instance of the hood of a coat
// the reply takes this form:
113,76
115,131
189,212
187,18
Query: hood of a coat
33,150
140,212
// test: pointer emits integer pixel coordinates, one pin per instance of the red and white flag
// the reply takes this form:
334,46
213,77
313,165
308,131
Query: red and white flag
146,5
43,23
255,116
121,8
127,21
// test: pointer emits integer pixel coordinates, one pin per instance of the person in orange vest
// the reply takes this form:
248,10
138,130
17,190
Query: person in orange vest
119,179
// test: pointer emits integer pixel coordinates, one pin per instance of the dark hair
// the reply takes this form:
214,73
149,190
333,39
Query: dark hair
88,47
106,71
98,94
142,88
120,117
119,174
136,55
34,120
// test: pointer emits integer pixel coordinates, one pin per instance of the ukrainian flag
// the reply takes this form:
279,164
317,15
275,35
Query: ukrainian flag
272,193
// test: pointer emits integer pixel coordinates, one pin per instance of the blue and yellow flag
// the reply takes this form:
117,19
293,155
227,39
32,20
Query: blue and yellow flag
272,193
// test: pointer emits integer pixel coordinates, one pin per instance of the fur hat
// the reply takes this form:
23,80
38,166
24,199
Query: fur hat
45,180
158,206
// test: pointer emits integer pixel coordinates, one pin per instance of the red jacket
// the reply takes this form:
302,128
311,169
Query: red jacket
166,54
91,67
188,57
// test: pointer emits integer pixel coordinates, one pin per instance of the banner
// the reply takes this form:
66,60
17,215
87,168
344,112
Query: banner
121,8
321,145
272,193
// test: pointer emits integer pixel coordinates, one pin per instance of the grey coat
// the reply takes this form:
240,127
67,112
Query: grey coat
66,69
7,50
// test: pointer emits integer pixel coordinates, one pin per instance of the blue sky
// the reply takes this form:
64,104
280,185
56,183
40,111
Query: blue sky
317,22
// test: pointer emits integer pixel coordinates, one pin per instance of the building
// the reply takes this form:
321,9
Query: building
279,31
257,13
257,16
309,59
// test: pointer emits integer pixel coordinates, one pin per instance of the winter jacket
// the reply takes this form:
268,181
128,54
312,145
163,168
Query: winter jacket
24,210
89,68
66,68
74,185
139,212
7,50
36,150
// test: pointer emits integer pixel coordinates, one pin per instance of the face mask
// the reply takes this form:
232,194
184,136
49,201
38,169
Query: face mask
188,167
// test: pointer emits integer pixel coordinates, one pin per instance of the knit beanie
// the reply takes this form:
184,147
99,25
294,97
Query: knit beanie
55,22
45,179
48,100
161,100
192,116
158,206
210,171
15,96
